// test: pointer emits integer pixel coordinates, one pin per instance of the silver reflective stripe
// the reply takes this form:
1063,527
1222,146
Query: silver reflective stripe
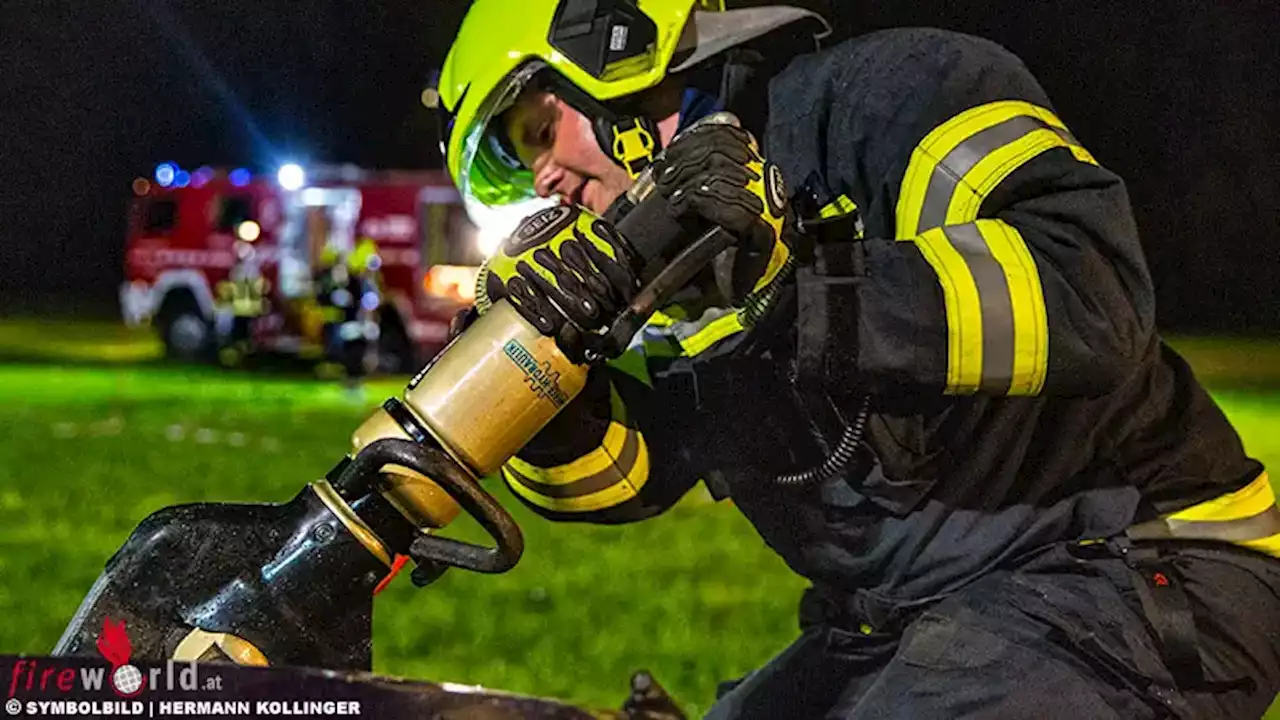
951,169
997,307
1255,527
610,476
1067,137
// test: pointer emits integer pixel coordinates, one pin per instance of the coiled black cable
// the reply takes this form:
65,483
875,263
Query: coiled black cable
845,450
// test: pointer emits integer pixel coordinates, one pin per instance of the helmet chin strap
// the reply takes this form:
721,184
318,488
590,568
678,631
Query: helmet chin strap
631,142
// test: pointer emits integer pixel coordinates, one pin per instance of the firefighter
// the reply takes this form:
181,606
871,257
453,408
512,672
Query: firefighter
334,302
359,330
927,373
242,299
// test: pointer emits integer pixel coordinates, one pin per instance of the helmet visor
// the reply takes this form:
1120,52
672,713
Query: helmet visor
489,171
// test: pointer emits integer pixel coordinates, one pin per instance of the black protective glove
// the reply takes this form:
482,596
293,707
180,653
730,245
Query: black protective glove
714,175
566,271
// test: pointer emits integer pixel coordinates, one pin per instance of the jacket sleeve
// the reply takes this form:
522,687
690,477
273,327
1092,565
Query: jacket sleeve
1014,265
611,456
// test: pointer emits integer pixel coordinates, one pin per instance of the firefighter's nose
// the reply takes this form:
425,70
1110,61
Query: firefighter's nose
546,177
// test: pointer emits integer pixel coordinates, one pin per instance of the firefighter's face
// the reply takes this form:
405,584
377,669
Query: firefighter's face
558,143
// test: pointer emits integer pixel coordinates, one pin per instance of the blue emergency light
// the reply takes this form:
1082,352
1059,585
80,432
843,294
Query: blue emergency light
165,174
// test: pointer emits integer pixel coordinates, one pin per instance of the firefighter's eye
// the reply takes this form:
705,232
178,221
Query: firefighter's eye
544,135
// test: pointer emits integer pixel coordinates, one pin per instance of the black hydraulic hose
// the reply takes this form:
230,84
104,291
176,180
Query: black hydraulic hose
845,450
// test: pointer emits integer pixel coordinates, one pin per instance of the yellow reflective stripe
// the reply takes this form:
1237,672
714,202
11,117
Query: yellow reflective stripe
661,319
978,183
673,345
997,323
1026,303
669,315
1247,517
964,311
1248,501
840,206
927,157
935,146
597,461
715,331
1076,148
600,477
615,494
1268,545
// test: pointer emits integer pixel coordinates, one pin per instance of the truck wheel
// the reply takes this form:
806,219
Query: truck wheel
186,333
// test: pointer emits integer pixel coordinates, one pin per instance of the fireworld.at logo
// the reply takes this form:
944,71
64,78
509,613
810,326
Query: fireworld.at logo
125,679
113,643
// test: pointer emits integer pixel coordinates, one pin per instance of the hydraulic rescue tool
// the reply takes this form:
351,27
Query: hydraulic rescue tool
292,584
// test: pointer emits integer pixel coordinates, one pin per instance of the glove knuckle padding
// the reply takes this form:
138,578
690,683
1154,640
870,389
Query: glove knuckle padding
566,272
696,157
618,267
566,289
532,305
716,167
576,256
703,138
611,278
744,204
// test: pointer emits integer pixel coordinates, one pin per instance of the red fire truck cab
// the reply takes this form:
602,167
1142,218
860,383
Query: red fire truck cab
184,226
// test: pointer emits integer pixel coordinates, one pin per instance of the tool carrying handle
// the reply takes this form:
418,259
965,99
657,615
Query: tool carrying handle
444,471
662,288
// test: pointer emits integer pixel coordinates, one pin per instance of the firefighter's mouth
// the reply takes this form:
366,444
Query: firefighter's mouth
574,196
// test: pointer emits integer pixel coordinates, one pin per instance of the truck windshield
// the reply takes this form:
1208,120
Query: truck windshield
161,215
234,210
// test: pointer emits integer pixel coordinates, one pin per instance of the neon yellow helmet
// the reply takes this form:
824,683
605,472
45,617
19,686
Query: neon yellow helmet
589,52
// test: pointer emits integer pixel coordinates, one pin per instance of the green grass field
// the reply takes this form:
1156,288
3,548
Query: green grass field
95,435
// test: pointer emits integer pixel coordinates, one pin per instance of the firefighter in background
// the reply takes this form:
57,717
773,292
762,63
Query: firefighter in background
242,299
359,331
331,297
349,293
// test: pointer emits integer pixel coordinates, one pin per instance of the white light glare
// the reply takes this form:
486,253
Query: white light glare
291,176
488,239
248,231
495,224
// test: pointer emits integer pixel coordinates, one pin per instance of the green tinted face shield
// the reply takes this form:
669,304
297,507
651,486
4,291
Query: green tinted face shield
489,171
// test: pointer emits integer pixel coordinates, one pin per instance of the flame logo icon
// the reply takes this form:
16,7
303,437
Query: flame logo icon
113,643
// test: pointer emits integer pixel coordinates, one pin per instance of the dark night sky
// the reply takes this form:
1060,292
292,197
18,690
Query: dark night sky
1180,98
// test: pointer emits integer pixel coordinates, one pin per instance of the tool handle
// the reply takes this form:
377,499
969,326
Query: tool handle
436,464
663,287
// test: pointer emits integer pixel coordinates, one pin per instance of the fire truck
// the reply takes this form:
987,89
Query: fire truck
185,226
